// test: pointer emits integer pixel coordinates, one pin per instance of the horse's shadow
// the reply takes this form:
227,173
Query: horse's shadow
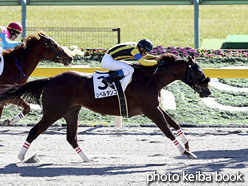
87,131
221,160
49,170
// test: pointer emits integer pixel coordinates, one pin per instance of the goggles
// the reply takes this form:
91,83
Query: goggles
15,33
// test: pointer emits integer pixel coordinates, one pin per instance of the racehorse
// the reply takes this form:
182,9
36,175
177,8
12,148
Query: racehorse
21,61
64,94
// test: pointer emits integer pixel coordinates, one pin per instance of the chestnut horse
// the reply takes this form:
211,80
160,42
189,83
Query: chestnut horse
21,61
64,94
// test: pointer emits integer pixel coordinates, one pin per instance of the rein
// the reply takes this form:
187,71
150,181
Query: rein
20,68
188,76
57,59
34,53
176,76
164,68
152,76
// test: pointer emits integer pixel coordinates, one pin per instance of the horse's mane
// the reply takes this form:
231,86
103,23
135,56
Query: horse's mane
168,58
29,41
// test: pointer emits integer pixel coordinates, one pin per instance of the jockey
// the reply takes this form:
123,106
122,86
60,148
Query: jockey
9,34
7,37
113,59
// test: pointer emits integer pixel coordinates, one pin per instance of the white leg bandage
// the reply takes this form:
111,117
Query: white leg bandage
182,136
82,154
23,151
179,146
17,118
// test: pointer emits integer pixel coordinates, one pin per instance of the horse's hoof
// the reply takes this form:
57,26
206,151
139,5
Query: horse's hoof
186,145
6,122
33,159
190,154
193,155
86,160
14,120
20,157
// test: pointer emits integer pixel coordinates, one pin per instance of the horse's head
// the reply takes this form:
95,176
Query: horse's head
54,52
192,76
196,79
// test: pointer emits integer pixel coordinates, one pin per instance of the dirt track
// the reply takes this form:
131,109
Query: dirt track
125,156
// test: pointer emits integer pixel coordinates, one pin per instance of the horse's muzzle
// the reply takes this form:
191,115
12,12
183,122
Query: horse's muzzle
204,93
67,61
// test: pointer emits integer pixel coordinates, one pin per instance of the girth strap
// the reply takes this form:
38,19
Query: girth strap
122,99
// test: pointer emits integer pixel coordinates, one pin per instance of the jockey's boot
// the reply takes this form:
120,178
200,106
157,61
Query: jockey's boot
109,79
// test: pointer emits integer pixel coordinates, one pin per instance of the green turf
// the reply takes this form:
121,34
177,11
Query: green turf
167,25
236,42
212,44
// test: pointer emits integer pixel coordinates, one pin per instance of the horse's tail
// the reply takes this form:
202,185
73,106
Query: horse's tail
30,91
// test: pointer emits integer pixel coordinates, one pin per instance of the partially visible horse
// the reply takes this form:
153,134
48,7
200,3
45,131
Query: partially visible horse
64,94
20,62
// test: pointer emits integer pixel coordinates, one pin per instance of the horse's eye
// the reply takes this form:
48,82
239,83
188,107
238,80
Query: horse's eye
198,73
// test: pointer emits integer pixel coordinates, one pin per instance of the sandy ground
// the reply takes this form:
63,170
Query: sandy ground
125,156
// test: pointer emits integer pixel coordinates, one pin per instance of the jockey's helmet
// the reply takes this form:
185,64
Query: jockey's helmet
15,28
146,44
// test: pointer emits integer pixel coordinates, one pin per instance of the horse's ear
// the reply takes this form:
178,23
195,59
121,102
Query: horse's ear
191,60
42,34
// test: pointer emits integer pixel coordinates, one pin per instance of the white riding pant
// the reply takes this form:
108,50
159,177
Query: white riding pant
110,64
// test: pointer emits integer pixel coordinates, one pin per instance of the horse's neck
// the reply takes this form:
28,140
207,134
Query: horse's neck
29,64
31,60
172,73
175,72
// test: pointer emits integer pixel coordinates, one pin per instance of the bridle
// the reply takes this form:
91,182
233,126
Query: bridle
47,45
194,75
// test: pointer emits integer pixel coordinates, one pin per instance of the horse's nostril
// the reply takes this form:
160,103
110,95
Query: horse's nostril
70,58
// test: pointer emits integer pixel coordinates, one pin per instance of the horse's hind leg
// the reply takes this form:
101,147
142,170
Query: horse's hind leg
39,128
72,125
26,109
177,127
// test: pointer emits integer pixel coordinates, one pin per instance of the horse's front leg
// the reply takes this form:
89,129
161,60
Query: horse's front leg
157,116
177,127
26,109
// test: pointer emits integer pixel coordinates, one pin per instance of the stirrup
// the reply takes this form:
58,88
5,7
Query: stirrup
109,83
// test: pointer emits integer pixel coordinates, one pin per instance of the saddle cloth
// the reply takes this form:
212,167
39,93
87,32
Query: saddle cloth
102,90
1,62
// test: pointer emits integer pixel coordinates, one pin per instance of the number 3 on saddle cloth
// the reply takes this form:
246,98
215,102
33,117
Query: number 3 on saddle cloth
102,90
